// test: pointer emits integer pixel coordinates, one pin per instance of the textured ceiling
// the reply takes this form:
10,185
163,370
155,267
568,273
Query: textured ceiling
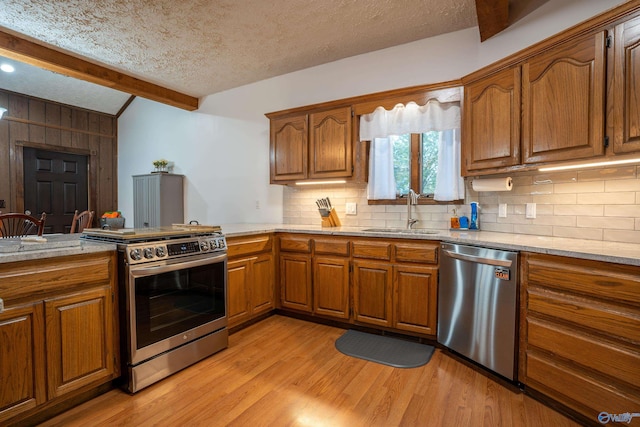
200,47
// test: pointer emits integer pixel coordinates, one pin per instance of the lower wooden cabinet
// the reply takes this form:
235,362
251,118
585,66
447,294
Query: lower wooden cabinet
580,333
250,288
250,278
79,337
331,286
22,361
388,284
295,282
58,331
415,293
372,292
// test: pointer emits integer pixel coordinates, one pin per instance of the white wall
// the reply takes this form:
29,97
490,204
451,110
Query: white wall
223,149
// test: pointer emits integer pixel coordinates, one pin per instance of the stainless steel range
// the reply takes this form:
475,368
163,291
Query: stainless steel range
173,298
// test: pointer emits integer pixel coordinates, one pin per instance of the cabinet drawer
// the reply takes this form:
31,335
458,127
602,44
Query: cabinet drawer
576,389
332,247
591,352
609,319
31,280
597,279
243,246
371,249
295,244
417,252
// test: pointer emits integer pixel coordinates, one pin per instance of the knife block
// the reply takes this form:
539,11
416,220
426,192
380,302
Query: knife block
331,220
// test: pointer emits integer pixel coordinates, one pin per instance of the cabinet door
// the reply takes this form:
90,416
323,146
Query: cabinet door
295,281
415,297
22,377
372,292
79,336
331,286
563,102
491,137
330,144
288,149
262,288
238,279
626,87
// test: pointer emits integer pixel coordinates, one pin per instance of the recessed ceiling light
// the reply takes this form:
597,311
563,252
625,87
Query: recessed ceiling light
7,68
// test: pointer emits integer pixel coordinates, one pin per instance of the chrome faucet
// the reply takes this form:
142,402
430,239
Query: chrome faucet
412,199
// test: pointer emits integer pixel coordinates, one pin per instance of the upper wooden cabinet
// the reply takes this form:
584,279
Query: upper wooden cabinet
625,94
288,149
563,98
313,146
330,144
491,123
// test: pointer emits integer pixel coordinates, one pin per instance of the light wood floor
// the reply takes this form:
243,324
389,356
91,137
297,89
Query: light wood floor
287,372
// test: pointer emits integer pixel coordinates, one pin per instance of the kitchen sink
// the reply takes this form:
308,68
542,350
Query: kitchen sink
402,230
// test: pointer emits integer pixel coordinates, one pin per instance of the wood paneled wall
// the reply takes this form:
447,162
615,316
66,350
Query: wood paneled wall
34,122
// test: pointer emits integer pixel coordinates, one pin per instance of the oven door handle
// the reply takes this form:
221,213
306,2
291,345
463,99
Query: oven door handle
166,268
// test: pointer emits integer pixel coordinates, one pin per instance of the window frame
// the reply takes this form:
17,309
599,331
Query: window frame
415,179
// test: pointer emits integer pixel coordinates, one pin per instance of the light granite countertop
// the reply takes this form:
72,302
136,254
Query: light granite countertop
620,253
13,250
56,245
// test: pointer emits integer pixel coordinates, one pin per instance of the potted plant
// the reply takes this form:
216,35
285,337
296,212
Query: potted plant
160,165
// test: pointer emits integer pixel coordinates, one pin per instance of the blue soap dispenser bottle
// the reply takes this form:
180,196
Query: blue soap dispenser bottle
474,224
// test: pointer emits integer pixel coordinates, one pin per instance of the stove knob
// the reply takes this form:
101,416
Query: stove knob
135,254
221,244
160,252
204,246
213,244
148,253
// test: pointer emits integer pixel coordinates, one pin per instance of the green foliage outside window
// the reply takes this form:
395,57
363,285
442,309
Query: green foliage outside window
428,162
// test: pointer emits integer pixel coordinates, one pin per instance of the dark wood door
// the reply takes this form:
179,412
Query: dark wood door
56,183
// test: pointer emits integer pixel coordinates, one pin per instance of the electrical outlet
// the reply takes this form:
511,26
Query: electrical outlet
2,204
257,204
530,211
351,209
502,210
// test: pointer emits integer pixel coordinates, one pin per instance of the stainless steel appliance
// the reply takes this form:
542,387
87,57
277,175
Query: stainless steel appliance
477,303
173,298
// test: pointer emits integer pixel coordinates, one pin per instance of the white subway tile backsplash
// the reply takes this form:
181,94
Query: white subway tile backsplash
578,233
579,187
622,185
606,222
579,210
618,198
591,204
622,210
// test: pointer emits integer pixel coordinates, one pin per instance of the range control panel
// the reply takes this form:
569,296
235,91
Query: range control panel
138,253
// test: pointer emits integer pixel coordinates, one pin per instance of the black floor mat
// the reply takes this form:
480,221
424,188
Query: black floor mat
386,350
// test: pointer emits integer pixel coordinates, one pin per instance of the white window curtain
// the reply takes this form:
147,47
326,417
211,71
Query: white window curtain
412,118
382,183
449,182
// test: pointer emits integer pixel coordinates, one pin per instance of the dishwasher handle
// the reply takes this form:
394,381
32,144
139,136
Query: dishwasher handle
478,259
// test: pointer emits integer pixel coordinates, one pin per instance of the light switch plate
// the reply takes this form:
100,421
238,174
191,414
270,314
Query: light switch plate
351,209
502,210
530,211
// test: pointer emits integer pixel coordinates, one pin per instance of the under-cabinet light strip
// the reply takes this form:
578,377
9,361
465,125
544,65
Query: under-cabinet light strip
340,181
589,165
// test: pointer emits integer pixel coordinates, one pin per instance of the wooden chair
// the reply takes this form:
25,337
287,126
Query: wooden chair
81,221
19,225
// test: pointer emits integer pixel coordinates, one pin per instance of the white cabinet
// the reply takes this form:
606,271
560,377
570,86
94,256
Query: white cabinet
158,200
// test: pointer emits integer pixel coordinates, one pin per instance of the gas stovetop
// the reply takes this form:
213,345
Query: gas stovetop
144,245
134,235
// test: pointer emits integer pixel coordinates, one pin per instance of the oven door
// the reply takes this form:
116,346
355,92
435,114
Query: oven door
174,302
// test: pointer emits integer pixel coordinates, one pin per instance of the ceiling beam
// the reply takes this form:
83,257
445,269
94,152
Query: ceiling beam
41,56
493,17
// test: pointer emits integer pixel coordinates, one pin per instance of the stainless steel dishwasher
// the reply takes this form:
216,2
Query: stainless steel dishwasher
477,299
